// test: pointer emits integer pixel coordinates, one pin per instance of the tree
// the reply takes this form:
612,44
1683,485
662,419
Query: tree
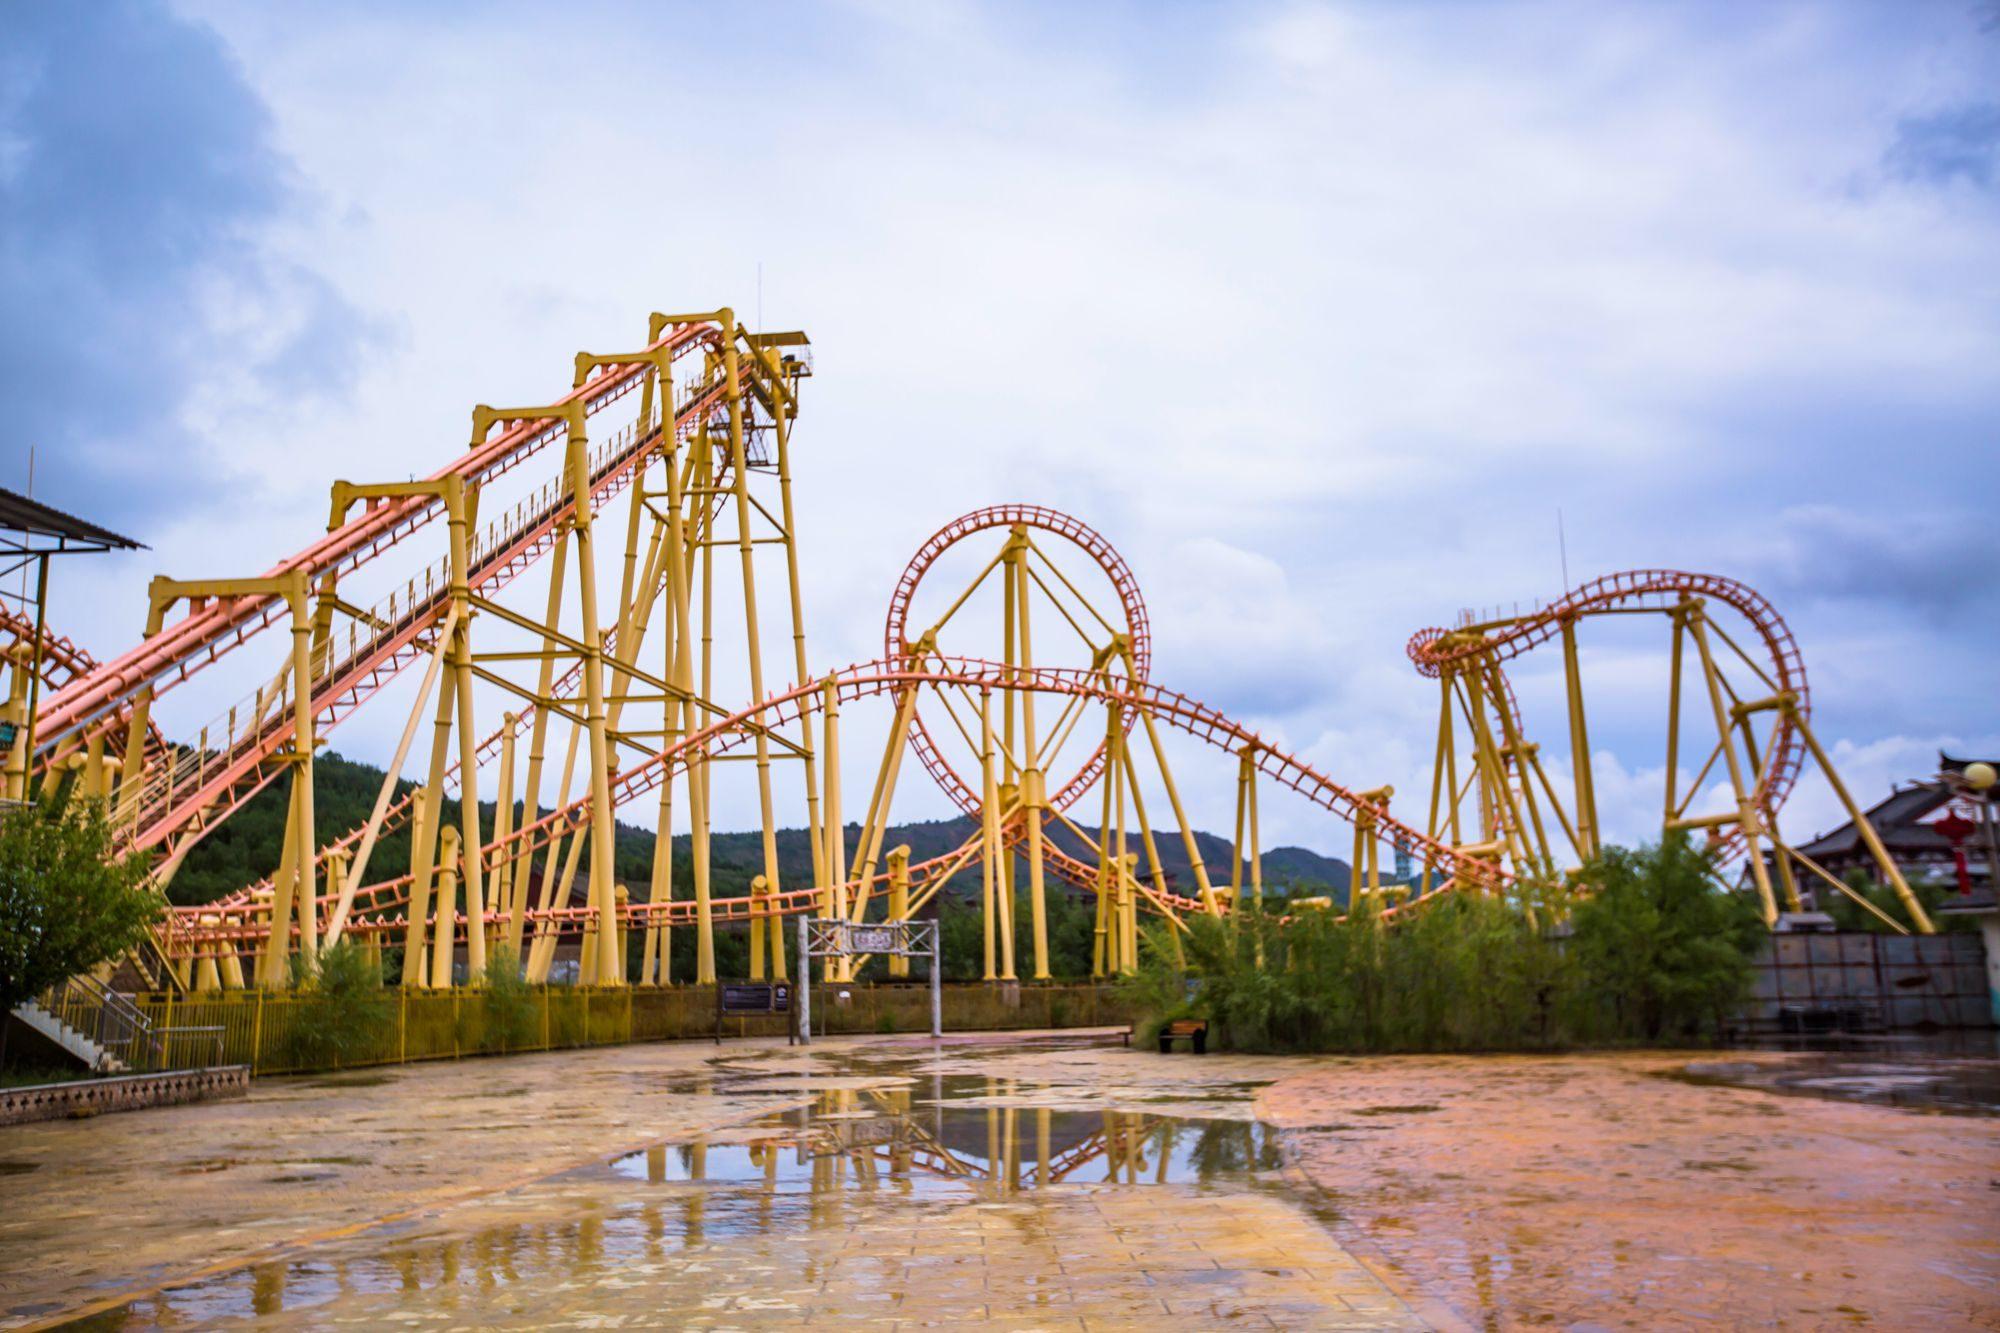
1661,947
66,904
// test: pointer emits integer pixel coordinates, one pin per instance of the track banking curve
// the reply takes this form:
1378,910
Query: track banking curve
1434,649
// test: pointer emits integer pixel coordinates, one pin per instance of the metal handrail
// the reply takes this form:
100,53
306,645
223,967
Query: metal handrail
108,1018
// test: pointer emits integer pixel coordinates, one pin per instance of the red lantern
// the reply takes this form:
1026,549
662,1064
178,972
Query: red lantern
1956,828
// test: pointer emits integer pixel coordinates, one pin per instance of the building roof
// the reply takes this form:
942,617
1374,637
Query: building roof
1977,903
23,521
1896,822
1950,765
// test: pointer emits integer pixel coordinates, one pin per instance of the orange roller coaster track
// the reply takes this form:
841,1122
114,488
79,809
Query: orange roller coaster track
1753,701
893,680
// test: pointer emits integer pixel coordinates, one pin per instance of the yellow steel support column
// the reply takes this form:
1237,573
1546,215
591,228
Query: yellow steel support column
899,905
444,935
273,964
782,427
129,785
1444,781
1579,746
760,888
1105,950
458,508
1883,861
740,478
1746,810
1034,803
503,828
1188,844
990,850
423,840
24,669
576,466
1522,754
306,864
1673,805
350,880
833,860
614,932
680,570
424,849
538,731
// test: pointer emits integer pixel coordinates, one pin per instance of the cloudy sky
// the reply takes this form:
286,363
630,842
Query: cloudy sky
1322,313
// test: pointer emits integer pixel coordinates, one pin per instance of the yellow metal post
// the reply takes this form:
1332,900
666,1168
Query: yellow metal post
1579,746
899,904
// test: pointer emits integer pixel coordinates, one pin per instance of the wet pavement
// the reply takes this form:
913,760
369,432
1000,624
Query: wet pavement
1661,1190
888,1184
1030,1182
1945,1085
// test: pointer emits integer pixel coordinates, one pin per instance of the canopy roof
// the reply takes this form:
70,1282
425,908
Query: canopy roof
29,527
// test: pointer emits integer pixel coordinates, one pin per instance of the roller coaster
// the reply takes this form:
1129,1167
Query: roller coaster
617,698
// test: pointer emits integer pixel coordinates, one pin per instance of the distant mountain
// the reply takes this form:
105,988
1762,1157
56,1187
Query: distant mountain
247,847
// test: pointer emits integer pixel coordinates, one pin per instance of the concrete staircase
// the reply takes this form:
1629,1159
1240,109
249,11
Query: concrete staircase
83,1047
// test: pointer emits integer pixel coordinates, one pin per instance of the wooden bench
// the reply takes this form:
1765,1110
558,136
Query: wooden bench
1193,1030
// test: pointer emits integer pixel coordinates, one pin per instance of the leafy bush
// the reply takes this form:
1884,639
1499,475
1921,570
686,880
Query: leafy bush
507,1003
1654,953
1667,954
345,1014
65,904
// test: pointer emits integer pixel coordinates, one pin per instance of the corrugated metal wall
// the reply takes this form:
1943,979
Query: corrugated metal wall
1864,982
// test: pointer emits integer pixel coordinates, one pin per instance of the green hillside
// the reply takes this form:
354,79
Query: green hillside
247,846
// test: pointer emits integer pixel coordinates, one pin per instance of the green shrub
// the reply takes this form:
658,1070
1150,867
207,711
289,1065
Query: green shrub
1655,953
345,1015
1663,952
511,1017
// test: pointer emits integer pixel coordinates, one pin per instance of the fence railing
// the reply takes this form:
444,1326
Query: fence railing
130,1031
276,1033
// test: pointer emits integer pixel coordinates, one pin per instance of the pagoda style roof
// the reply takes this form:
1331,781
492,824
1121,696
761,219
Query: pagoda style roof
1897,823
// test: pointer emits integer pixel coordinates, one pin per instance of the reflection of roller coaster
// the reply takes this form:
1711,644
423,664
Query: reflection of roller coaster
851,1139
609,688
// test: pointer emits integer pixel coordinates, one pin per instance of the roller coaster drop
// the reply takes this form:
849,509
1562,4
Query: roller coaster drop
704,464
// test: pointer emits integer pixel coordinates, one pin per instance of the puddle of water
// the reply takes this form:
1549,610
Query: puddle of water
877,1134
933,1146
1914,1082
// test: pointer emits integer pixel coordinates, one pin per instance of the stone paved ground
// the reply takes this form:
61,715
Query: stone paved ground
491,1204
1070,1257
1600,1191
1580,1192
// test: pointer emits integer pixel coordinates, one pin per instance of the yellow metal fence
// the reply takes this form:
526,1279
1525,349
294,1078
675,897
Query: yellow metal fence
278,1033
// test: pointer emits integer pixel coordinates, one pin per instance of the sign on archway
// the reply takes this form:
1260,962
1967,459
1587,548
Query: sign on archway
822,938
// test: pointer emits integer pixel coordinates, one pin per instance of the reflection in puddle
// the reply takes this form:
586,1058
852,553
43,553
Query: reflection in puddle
923,1146
852,1139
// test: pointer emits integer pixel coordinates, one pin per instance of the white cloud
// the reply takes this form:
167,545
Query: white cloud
1318,313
